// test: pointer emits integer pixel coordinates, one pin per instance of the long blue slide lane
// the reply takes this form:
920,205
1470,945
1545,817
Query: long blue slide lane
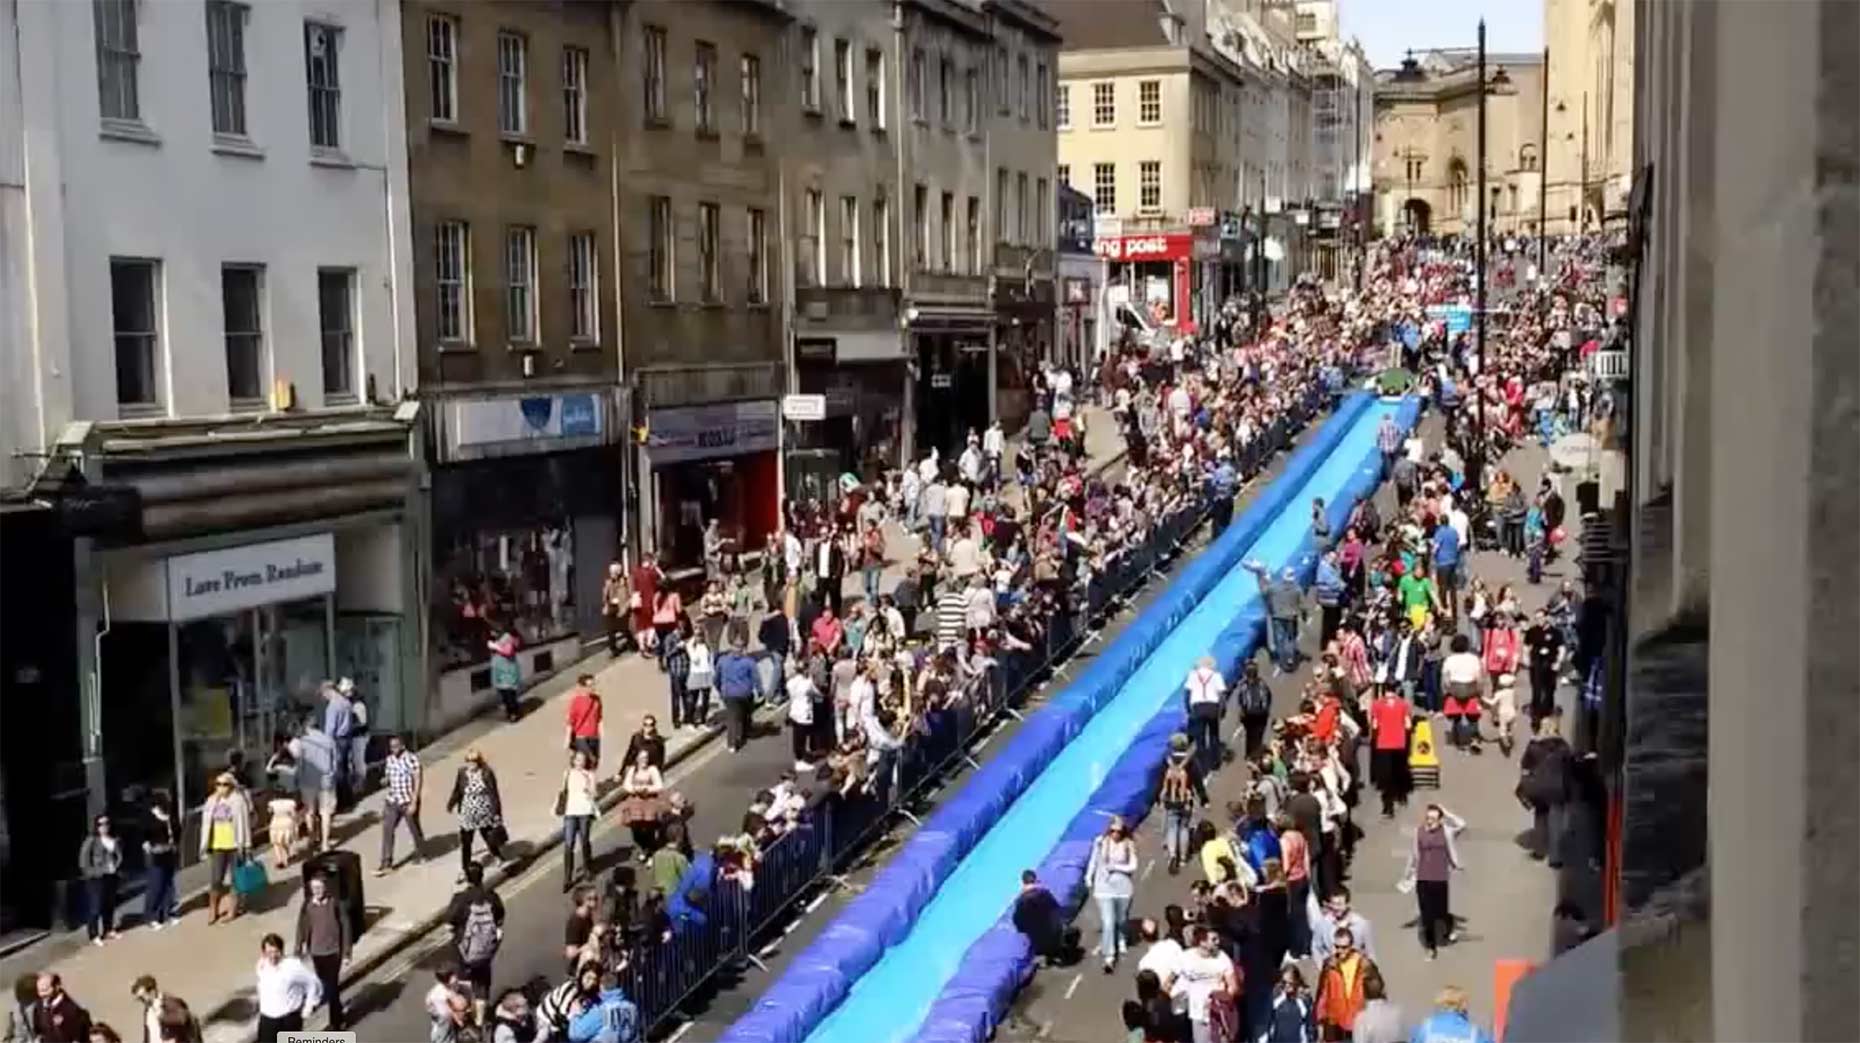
907,926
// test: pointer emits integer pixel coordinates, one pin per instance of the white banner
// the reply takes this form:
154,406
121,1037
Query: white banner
709,432
216,582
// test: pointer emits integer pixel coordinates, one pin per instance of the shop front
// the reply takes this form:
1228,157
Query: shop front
718,461
1024,339
1162,273
1081,282
865,381
955,388
526,514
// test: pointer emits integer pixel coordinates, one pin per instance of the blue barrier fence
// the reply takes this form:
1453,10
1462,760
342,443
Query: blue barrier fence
718,924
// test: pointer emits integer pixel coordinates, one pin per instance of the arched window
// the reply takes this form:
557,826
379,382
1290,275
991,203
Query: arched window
1527,158
1456,184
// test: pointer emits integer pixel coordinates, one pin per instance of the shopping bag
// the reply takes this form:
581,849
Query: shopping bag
248,877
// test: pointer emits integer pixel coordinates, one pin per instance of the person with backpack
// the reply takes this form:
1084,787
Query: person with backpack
1179,792
476,916
1255,700
612,1019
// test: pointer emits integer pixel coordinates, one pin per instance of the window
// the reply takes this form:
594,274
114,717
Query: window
1527,157
849,240
335,312
322,45
1026,89
810,70
944,73
133,296
240,289
1149,185
974,251
709,283
575,95
1042,215
920,220
1065,174
117,59
703,79
881,240
659,254
1149,103
520,285
584,287
875,88
1104,104
442,67
842,79
758,257
914,87
655,73
1062,114
1039,94
810,253
1002,89
971,100
1001,204
1020,209
226,65
948,212
452,279
1104,187
752,96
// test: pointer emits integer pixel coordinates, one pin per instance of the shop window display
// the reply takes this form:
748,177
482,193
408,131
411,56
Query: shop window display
519,579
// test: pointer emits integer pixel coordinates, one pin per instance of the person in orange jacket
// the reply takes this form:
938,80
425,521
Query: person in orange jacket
1340,987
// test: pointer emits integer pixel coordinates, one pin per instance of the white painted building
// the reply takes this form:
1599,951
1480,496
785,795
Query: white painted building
204,313
204,165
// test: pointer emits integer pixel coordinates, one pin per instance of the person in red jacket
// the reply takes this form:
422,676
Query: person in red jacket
1389,722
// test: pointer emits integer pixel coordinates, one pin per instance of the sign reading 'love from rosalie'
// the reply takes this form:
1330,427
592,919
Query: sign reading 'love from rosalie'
215,582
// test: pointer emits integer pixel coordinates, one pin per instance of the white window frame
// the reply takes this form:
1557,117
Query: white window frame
584,289
750,68
875,87
119,59
843,80
1020,208
442,67
849,241
1024,68
1149,186
323,41
146,344
1042,82
914,85
652,70
575,95
704,87
881,240
1042,213
814,228
245,341
1104,103
1065,174
1149,103
337,340
971,100
972,223
662,251
513,83
226,72
522,321
1104,188
810,69
710,253
758,249
452,272
1062,107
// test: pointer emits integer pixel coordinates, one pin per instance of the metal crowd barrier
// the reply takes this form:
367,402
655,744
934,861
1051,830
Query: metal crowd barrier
661,975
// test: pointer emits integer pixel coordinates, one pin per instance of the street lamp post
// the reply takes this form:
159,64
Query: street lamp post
1476,466
1543,174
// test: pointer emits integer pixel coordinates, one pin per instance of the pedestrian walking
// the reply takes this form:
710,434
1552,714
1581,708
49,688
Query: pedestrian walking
318,767
1255,702
287,990
1380,1020
586,721
1340,987
614,607
355,751
1293,1015
802,695
1450,1023
646,740
1179,793
1110,873
700,674
339,725
736,685
643,802
479,809
1544,786
403,779
1204,694
1284,606
642,599
1433,857
1390,721
1208,978
225,840
161,857
476,916
323,937
576,806
507,673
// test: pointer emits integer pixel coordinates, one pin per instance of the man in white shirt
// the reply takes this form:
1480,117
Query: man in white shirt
970,462
287,990
1200,972
801,695
994,446
1205,690
1163,958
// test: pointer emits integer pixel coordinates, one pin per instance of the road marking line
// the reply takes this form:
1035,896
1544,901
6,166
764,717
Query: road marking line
1148,868
680,1034
1074,987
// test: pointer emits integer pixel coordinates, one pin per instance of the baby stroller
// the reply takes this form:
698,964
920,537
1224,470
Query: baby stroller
1484,526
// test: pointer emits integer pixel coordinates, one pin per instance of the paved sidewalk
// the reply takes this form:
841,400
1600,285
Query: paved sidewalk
211,967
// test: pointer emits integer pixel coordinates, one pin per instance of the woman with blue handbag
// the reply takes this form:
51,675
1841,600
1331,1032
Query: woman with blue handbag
225,840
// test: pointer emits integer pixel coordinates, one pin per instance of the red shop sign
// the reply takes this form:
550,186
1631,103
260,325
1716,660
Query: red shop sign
1161,247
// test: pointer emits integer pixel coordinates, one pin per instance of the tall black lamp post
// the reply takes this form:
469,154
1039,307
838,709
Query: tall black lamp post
1476,465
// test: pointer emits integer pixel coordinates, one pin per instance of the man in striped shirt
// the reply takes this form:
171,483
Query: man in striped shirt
951,615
